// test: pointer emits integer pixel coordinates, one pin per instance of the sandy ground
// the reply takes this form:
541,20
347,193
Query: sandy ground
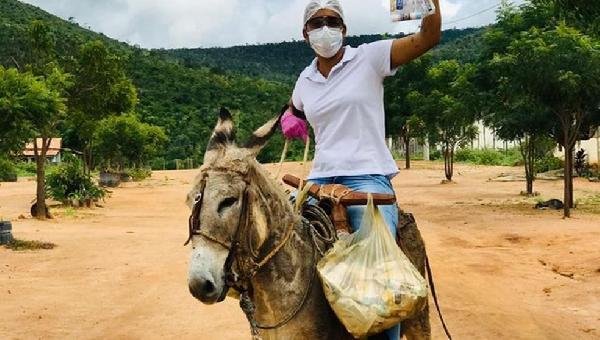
503,270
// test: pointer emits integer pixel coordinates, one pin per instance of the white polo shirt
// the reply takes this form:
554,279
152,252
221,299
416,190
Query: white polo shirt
347,114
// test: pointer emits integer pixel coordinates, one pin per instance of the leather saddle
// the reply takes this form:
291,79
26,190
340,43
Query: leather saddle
335,198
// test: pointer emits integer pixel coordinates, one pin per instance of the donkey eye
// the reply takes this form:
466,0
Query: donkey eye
227,203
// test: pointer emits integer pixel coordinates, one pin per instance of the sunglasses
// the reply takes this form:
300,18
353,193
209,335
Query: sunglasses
329,21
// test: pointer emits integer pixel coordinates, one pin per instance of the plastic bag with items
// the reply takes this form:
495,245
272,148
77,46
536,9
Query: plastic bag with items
411,9
369,282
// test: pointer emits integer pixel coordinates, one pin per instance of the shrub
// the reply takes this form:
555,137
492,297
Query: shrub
465,155
158,164
549,163
124,141
138,174
594,171
511,157
171,164
434,155
67,183
582,167
26,169
8,172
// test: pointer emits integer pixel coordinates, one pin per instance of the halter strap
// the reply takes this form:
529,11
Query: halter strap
234,248
236,253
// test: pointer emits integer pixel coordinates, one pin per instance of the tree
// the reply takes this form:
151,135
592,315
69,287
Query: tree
401,117
100,89
516,118
508,109
559,68
580,14
448,108
123,141
36,105
41,56
48,89
15,128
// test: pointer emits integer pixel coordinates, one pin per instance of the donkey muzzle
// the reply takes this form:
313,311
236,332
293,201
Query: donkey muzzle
205,290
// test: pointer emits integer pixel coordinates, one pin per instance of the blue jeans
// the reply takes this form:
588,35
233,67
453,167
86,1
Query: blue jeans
376,184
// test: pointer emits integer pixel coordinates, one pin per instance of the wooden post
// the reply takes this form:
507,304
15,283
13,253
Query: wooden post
484,139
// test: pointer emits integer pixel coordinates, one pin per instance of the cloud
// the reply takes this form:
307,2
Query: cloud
205,23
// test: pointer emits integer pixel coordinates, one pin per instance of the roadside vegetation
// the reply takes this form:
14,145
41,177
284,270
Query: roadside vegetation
533,78
22,245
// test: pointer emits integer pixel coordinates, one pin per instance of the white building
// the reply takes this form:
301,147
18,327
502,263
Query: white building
591,147
487,139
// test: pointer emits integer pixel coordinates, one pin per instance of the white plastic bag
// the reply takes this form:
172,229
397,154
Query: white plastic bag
410,9
369,283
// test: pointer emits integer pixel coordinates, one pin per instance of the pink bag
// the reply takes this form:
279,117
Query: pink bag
293,127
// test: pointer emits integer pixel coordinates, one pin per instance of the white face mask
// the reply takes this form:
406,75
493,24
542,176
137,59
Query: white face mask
326,41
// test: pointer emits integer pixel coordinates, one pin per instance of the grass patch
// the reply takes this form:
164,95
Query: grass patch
70,212
8,171
510,157
25,169
138,174
22,245
589,204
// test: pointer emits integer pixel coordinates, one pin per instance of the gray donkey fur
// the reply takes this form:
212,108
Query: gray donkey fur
289,278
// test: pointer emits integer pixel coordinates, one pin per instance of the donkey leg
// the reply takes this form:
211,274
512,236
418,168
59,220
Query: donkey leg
412,244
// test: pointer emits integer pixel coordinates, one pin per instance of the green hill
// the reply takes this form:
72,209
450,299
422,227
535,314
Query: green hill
15,17
181,90
182,100
281,61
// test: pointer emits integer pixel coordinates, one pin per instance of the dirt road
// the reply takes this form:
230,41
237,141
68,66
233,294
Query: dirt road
503,270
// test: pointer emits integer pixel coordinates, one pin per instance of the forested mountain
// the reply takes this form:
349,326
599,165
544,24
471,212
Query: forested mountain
182,100
284,61
181,90
15,18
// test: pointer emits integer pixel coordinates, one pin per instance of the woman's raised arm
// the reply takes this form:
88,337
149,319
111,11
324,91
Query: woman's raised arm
411,47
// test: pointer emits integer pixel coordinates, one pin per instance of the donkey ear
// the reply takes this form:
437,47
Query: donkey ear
261,136
224,132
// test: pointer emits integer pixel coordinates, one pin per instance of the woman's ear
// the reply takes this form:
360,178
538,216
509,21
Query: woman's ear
305,35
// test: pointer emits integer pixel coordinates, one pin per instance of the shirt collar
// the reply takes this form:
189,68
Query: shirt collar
315,75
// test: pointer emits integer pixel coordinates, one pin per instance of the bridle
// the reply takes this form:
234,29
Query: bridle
240,247
240,251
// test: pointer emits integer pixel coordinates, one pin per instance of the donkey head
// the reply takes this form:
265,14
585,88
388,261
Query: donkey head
219,194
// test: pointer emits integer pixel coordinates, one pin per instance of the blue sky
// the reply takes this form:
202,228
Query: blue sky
207,23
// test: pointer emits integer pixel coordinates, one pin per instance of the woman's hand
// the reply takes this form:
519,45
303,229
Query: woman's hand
406,49
293,127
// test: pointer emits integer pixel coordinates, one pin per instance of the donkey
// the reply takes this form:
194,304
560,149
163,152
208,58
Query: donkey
247,238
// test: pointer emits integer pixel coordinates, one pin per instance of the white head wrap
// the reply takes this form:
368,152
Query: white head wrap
315,5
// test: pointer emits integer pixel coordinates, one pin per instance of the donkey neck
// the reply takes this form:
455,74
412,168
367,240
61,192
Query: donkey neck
288,295
283,283
287,292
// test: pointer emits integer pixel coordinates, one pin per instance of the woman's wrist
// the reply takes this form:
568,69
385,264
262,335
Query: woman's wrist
431,25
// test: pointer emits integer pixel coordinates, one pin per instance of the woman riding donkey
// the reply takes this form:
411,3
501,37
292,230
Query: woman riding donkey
341,95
